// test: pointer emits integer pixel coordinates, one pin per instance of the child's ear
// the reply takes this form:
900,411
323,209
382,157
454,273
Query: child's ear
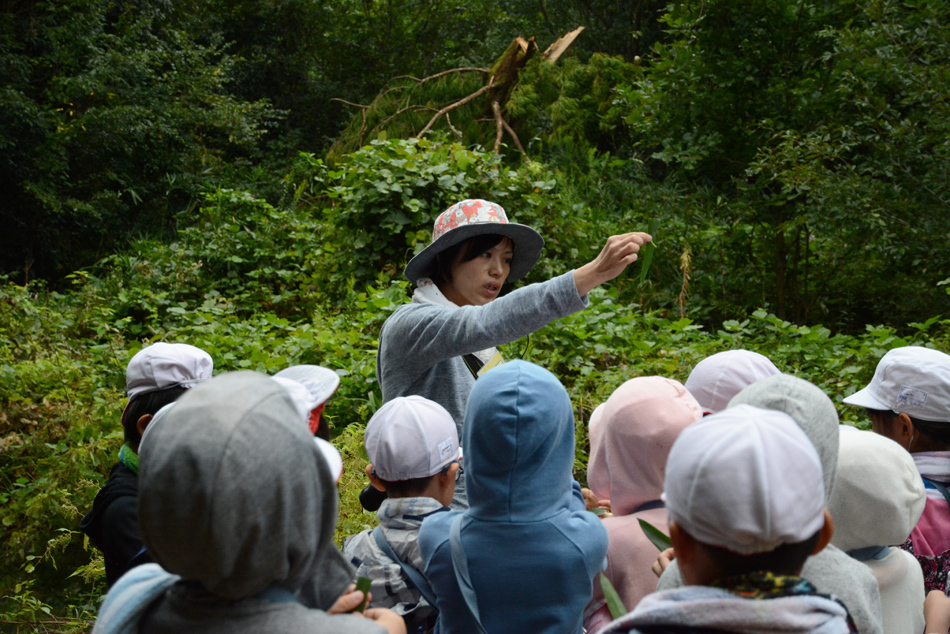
142,423
374,479
450,473
683,543
824,537
687,552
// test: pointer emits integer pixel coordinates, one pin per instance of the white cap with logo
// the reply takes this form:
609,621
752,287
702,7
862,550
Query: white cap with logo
912,380
411,437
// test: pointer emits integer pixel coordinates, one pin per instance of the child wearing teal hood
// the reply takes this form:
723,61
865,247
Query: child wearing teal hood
526,551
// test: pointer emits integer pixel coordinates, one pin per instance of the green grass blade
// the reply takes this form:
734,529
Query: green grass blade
646,253
655,535
614,604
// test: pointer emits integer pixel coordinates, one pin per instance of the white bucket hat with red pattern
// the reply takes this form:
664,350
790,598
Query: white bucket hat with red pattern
476,217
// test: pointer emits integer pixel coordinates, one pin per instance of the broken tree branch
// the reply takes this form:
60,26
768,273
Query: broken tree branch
399,112
458,104
514,136
559,47
363,111
349,103
448,120
499,127
467,69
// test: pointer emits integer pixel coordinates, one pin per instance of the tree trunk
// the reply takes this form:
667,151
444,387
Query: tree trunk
781,263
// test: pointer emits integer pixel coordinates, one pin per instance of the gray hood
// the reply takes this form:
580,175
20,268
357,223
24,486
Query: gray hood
234,494
809,406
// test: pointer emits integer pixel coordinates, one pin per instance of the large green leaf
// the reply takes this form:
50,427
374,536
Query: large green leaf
614,604
655,535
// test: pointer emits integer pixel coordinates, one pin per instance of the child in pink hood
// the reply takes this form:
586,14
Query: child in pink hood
636,428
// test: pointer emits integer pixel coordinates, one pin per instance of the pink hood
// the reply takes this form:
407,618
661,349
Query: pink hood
631,435
636,428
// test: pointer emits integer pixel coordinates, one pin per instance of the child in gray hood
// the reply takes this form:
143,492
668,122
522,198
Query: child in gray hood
238,508
832,571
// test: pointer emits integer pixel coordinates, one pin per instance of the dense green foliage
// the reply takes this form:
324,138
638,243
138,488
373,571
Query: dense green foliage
818,127
247,282
111,119
166,178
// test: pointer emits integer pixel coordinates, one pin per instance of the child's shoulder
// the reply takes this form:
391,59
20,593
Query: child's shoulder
353,545
435,531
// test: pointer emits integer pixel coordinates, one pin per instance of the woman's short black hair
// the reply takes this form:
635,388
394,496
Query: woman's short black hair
464,251
147,403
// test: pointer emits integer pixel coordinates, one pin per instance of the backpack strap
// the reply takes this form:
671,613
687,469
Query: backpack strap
415,577
940,488
460,564
473,363
477,367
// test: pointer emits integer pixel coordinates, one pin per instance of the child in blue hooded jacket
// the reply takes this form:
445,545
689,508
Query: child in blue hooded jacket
526,550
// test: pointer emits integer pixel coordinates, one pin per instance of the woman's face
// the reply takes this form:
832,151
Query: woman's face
478,281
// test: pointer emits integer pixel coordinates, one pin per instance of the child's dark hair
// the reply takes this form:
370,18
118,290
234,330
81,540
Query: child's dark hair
469,250
787,559
934,431
147,403
407,488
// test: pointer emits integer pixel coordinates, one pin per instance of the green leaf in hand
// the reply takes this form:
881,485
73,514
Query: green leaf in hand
614,604
655,535
646,252
363,584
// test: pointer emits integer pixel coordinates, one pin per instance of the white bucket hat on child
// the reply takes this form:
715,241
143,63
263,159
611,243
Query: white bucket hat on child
164,365
912,380
717,378
745,479
476,217
411,437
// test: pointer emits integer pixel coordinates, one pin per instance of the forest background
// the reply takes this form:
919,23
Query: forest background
251,176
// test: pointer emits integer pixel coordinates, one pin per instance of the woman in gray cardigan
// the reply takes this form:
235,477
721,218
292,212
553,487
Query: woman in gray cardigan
439,343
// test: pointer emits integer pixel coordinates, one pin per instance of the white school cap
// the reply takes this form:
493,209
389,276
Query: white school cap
745,479
163,365
912,380
321,382
878,496
717,378
411,437
300,395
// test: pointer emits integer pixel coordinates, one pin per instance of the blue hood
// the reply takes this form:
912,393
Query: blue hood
519,445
